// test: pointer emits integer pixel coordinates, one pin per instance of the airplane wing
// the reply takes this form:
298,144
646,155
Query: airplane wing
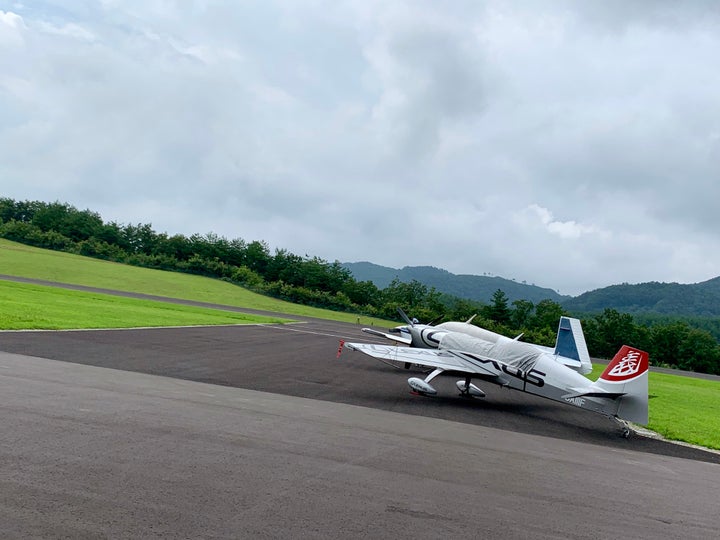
443,360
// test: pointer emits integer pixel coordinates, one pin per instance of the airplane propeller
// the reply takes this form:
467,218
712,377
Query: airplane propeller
409,334
413,322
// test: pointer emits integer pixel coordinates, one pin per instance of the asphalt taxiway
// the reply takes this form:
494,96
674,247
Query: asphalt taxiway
260,431
91,452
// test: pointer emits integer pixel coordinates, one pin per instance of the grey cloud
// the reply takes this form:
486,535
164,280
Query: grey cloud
433,74
619,15
422,133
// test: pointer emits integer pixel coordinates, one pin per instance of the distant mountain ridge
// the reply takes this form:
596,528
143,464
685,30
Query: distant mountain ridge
479,288
697,299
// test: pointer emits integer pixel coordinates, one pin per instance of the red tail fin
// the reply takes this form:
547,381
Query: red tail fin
627,364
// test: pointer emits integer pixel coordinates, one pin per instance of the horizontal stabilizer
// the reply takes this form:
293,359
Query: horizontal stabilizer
596,394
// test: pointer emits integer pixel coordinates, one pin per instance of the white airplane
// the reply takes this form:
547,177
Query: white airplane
570,347
621,392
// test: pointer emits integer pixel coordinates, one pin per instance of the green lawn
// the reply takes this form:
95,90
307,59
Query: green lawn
685,409
30,262
26,306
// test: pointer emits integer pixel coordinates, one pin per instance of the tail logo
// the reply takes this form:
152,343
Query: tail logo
627,366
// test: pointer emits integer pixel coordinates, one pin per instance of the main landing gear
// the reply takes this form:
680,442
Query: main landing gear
468,389
423,387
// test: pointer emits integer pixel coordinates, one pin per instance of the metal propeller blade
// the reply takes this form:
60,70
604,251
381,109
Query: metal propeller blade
411,322
405,317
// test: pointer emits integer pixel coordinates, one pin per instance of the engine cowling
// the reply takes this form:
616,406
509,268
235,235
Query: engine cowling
421,386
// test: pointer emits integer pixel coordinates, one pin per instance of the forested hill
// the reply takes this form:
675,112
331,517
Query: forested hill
694,300
478,288
698,299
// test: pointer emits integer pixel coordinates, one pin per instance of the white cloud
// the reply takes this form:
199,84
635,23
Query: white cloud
563,229
11,30
70,30
13,20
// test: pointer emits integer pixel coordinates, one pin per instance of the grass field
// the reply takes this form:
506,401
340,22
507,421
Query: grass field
26,261
685,409
681,408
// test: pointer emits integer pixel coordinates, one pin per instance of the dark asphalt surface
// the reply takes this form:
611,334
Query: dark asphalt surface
300,360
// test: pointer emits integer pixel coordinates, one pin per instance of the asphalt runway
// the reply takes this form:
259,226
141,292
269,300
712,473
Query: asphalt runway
91,452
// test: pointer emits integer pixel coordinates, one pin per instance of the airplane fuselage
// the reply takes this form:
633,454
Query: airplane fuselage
547,378
429,337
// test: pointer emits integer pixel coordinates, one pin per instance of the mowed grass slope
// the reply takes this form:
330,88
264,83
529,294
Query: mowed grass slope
30,262
27,306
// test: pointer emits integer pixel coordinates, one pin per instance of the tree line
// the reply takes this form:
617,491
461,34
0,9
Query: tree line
315,282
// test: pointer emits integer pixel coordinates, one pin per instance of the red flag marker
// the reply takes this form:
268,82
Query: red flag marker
340,348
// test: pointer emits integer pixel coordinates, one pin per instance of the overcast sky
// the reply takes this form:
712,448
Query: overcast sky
572,145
